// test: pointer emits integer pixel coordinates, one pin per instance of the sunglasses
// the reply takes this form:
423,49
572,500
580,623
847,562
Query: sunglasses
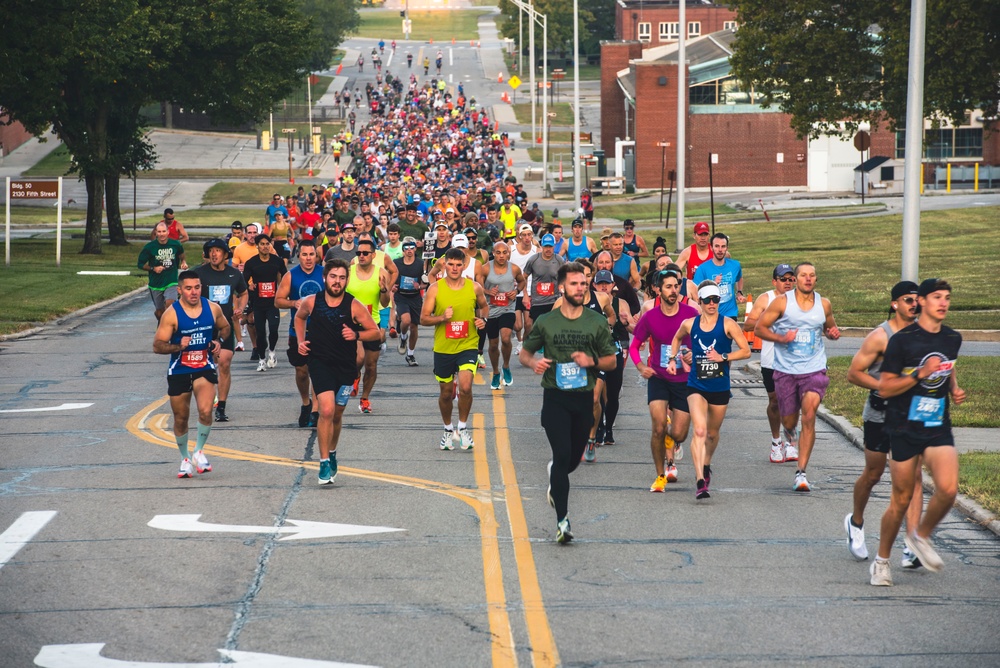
711,300
908,300
363,253
787,279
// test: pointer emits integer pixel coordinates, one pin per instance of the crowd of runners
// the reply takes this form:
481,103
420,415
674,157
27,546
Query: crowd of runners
425,237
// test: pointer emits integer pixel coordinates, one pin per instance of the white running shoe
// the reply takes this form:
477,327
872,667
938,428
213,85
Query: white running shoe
855,539
909,560
548,493
678,452
262,365
239,346
924,551
448,440
243,330
801,484
272,360
465,438
777,456
201,462
791,453
881,575
186,470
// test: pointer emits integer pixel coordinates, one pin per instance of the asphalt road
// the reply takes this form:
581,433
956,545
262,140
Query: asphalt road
757,575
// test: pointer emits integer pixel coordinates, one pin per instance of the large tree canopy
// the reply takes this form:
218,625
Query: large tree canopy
597,22
90,65
847,62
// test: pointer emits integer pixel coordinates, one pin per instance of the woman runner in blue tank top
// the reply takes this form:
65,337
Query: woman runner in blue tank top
712,338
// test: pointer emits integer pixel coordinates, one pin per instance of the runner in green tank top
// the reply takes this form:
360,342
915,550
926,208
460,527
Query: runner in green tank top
368,284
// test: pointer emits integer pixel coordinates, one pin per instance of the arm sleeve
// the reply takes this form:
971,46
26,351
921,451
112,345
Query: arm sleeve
639,335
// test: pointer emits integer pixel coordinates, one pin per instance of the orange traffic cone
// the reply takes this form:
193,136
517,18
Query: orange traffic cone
510,162
452,40
310,171
432,40
506,142
499,77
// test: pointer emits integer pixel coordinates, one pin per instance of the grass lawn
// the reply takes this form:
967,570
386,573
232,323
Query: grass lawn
202,218
56,163
35,290
440,25
224,174
251,193
563,113
979,472
858,260
651,212
43,215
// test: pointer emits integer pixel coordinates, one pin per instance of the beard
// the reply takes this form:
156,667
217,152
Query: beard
573,300
335,292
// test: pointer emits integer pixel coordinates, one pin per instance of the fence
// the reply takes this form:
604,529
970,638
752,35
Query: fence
963,177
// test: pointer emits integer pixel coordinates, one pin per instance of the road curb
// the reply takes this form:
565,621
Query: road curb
75,314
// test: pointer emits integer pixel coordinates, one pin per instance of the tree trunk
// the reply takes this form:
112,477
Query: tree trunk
95,214
112,190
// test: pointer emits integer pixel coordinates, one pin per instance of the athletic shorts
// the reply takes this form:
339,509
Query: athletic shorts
494,325
325,379
183,383
538,311
675,394
411,304
789,388
589,215
294,358
371,347
876,437
713,398
230,342
161,297
906,445
383,317
519,304
446,365
768,375
282,249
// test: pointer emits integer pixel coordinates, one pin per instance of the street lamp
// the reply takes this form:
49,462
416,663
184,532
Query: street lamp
576,100
543,21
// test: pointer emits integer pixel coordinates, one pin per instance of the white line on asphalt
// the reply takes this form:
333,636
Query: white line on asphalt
21,531
60,407
302,528
88,655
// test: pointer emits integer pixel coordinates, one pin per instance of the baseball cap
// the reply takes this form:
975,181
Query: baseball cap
701,227
932,285
604,276
548,240
525,228
460,241
904,288
628,222
606,232
409,242
577,223
347,226
441,223
783,269
215,243
237,225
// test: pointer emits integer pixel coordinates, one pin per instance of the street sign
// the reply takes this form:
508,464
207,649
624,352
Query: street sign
407,26
862,140
514,82
663,144
317,130
288,130
34,189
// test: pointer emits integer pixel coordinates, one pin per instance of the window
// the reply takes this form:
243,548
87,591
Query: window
721,91
729,25
887,174
946,143
669,31
645,31
694,29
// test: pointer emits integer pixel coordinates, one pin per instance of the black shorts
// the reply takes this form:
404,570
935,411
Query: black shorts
229,343
538,311
371,347
327,379
589,215
183,383
876,438
282,249
447,365
768,375
496,323
675,394
411,304
519,304
906,445
713,398
294,358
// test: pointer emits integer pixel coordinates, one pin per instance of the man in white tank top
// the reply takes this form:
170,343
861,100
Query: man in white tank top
783,279
796,323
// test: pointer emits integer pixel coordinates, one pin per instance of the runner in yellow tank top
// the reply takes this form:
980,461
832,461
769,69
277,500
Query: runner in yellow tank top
369,284
457,308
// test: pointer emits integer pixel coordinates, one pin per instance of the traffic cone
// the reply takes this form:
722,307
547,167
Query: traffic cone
453,40
510,162
310,171
506,142
499,77
432,40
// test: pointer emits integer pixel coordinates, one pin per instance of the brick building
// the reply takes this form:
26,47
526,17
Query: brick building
11,136
654,22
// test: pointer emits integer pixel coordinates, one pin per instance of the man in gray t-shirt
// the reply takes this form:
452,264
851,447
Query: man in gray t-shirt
543,269
347,249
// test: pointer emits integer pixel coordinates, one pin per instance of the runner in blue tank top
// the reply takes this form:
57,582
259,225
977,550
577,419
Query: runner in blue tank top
578,247
712,338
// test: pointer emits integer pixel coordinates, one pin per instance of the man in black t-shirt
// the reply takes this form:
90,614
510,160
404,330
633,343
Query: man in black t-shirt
917,378
263,272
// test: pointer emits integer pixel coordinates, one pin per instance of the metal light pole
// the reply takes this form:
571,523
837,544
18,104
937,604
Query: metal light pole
309,102
663,172
681,119
542,20
577,187
531,74
914,142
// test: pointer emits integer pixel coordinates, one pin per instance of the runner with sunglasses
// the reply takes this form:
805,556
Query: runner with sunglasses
369,284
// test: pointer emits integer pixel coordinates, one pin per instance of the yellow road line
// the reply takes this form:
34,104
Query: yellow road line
543,644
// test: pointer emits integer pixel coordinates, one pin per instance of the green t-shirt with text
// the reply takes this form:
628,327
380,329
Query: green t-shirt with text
166,255
561,337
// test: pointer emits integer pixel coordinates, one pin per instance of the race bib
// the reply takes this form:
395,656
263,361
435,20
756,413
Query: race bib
407,283
804,343
219,293
166,263
457,329
725,292
344,394
929,410
665,355
194,359
545,289
570,376
265,290
707,369
500,299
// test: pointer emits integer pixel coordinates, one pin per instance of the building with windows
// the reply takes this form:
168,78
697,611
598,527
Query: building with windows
746,145
654,22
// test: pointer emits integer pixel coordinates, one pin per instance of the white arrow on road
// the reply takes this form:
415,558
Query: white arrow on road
21,532
302,529
88,655
60,407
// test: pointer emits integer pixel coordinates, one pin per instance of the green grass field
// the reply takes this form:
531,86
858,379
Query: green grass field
563,113
440,25
56,163
226,192
43,215
194,219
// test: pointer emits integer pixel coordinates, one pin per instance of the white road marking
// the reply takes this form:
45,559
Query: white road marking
21,531
302,529
88,655
60,407
105,273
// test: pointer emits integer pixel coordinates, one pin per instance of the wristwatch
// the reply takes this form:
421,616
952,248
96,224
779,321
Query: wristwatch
725,357
915,373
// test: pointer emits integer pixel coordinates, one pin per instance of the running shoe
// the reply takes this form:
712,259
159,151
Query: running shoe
401,349
313,419
239,347
599,434
220,415
517,349
678,452
354,390
668,443
411,360
254,356
548,493
333,466
881,575
563,533
701,492
791,453
609,437
382,347
659,484
508,377
304,416
909,560
480,362
201,462
448,440
262,365
855,538
671,473
243,330
495,383
465,438
801,484
325,472
365,406
707,472
777,455
590,452
272,360
186,470
791,438
392,333
924,551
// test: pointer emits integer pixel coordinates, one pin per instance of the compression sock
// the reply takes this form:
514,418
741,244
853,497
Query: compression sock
182,445
203,430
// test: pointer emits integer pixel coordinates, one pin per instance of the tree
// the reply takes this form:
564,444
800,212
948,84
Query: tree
831,63
233,58
330,21
560,24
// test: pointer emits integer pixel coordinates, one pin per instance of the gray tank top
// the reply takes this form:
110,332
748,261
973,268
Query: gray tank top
869,414
505,282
